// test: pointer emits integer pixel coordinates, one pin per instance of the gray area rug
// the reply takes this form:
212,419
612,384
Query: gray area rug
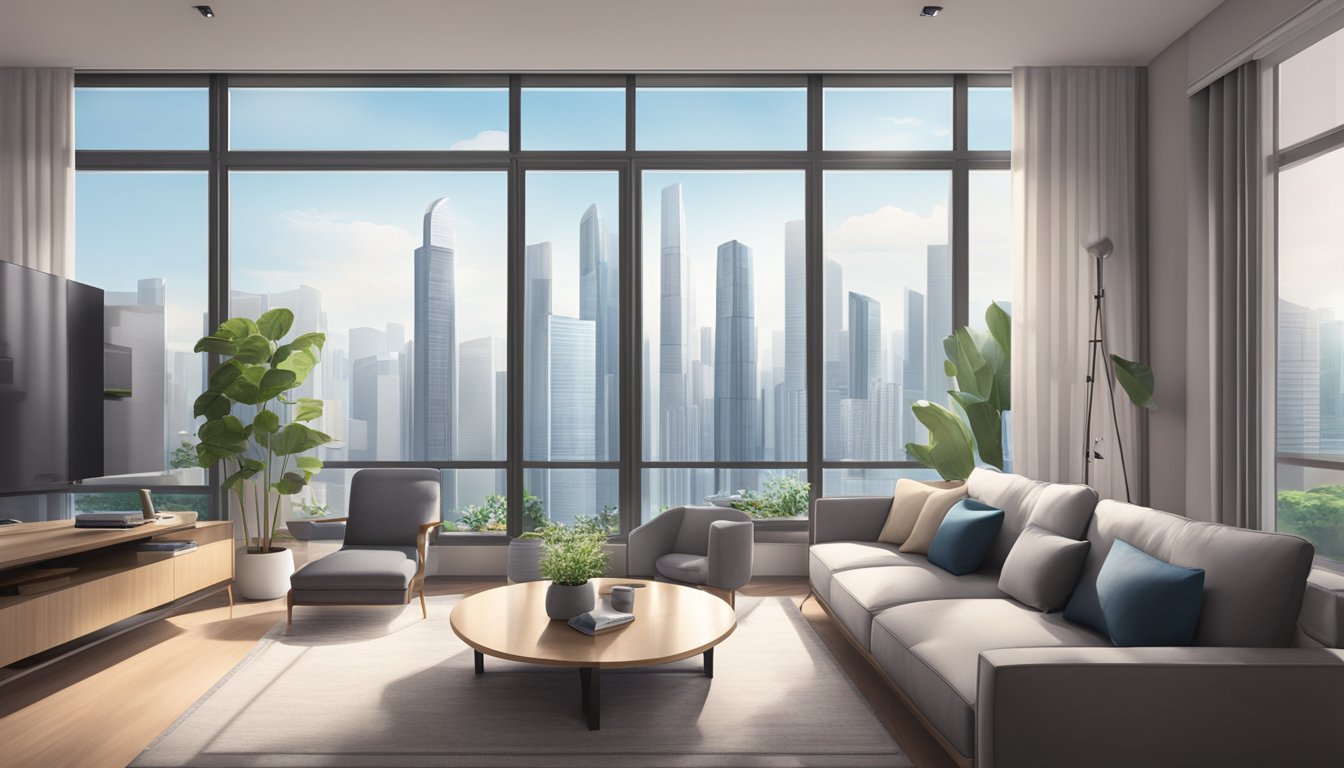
381,687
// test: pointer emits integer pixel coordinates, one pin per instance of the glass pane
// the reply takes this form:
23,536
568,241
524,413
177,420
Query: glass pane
143,239
765,494
369,118
35,507
406,273
571,320
570,496
142,118
129,501
752,119
1311,91
991,240
573,118
724,381
471,500
887,308
891,119
1311,505
870,482
990,118
1311,308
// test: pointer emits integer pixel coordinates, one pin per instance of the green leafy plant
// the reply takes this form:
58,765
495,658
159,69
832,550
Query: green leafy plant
183,456
980,362
1137,380
492,515
310,508
264,459
1316,515
572,556
781,495
607,522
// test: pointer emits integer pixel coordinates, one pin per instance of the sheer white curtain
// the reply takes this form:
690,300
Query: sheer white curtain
37,168
1075,178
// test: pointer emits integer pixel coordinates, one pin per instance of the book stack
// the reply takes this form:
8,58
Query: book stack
109,519
171,548
599,620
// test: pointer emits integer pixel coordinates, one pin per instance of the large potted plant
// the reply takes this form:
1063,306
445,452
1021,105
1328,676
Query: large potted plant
267,456
569,558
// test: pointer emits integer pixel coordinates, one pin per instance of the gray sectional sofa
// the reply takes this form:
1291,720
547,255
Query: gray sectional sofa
1005,685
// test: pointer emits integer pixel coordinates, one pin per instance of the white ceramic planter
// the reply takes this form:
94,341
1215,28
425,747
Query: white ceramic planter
524,561
565,602
263,576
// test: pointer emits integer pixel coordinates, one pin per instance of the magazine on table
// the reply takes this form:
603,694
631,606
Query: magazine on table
600,619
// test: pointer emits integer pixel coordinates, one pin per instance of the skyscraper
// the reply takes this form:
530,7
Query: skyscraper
792,439
375,408
865,344
598,302
1299,379
571,344
833,321
1332,383
673,319
912,379
480,360
536,354
435,368
937,323
737,429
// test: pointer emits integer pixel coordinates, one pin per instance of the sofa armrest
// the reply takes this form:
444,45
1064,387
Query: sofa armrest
1043,707
731,548
651,541
850,518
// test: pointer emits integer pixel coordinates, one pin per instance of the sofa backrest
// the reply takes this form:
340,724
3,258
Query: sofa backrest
1253,580
1063,509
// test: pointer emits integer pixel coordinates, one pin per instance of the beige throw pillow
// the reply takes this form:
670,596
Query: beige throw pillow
930,517
907,501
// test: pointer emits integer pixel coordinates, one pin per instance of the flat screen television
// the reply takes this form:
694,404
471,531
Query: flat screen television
51,380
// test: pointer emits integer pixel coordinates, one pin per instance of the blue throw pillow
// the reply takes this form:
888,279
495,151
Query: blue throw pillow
965,536
1147,601
1084,607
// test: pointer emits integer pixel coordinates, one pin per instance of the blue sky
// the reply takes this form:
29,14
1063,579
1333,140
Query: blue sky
353,234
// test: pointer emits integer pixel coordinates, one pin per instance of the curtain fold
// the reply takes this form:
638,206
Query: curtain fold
1225,308
37,168
1076,171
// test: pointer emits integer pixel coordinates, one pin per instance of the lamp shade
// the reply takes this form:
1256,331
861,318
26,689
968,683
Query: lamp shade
1101,248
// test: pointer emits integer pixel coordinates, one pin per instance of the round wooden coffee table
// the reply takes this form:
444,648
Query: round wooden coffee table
671,623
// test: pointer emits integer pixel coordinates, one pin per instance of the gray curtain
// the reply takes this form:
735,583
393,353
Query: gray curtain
37,169
1076,175
1228,266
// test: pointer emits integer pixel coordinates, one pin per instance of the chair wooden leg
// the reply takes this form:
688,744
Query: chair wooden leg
424,609
732,599
230,591
289,608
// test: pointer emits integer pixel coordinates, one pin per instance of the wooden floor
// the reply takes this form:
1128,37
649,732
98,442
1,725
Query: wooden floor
101,708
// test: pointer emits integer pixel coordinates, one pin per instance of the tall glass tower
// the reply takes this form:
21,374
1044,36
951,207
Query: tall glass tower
673,325
435,336
598,303
938,323
737,417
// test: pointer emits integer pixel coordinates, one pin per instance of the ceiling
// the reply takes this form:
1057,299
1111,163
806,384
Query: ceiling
588,35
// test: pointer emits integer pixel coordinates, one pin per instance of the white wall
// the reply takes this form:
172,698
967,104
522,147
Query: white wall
1178,466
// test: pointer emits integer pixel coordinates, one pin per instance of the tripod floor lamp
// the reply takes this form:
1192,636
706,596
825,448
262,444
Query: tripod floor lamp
1099,251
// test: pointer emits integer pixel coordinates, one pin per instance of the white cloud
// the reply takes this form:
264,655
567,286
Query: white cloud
904,122
890,229
485,140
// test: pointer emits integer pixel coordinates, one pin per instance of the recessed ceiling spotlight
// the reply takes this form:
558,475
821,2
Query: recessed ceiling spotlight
931,10
207,11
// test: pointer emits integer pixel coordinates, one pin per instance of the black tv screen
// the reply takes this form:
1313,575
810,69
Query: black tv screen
51,380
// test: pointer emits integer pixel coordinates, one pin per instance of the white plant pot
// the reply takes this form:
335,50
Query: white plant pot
524,560
263,576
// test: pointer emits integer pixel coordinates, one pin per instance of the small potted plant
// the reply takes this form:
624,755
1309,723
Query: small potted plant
570,557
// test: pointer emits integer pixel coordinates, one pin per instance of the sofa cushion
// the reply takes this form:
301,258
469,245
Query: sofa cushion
359,569
1015,495
1147,529
1322,617
907,500
825,560
1043,568
932,651
1147,601
930,518
692,569
965,536
858,594
1253,583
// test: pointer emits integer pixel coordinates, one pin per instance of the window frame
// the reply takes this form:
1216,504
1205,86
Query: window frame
1275,160
814,161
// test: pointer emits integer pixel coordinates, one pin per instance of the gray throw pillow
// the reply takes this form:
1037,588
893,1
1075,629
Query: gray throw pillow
1042,568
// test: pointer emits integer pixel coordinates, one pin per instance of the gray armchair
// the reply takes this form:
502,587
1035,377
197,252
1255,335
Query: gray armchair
698,546
382,562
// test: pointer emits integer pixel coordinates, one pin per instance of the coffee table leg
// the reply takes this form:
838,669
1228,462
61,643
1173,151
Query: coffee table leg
709,663
590,679
480,662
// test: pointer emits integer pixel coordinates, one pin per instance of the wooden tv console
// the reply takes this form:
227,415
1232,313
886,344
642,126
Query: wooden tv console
111,589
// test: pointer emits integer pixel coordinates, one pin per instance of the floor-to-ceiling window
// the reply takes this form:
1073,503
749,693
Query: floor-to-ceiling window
1309,414
578,297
